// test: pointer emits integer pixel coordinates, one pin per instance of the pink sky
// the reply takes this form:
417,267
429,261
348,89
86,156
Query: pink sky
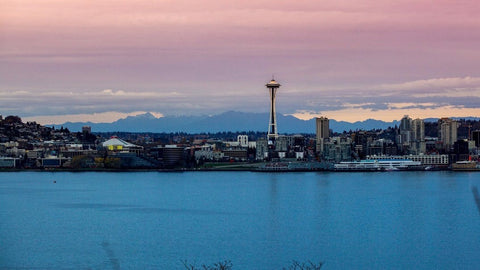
348,60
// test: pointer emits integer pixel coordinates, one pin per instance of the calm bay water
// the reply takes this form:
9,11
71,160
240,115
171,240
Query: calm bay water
150,220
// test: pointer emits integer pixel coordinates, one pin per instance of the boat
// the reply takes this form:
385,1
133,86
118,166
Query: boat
379,165
466,166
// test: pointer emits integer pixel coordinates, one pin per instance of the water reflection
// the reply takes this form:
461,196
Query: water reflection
476,197
145,210
273,225
92,205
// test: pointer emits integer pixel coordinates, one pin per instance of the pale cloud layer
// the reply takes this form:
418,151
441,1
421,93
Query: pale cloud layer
204,57
360,114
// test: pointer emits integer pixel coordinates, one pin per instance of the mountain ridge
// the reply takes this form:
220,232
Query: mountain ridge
228,121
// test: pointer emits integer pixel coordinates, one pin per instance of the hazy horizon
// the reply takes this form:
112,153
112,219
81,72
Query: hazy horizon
346,60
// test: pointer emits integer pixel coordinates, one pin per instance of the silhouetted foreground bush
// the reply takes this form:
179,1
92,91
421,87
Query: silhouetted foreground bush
304,266
227,265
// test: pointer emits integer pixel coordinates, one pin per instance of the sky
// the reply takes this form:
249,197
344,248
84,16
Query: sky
347,60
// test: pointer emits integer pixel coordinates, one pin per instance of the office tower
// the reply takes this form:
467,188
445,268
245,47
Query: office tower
323,132
405,131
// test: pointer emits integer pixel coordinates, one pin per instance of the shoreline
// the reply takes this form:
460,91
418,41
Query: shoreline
176,170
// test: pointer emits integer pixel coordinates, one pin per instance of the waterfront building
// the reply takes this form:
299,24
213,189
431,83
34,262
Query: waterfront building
34,154
362,140
171,155
71,152
242,140
54,162
377,165
261,149
322,132
208,154
284,147
432,144
236,154
428,160
380,147
8,162
337,149
282,143
115,144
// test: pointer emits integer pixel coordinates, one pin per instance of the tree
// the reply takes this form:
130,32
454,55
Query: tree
11,119
79,162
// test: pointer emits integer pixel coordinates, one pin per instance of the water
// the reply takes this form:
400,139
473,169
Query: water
390,220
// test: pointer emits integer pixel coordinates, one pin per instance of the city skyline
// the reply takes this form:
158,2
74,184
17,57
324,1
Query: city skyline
344,60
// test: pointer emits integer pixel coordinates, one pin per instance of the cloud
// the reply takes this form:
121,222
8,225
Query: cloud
436,84
123,101
411,105
184,57
429,94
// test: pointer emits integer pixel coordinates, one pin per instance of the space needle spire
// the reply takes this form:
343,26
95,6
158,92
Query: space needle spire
272,87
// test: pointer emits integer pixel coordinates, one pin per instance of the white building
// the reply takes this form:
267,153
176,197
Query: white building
242,140
116,144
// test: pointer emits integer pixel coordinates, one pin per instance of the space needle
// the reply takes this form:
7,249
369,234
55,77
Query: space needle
272,126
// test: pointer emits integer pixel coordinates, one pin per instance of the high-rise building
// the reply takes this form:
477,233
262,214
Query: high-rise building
272,125
417,143
323,132
411,136
448,132
405,123
405,130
